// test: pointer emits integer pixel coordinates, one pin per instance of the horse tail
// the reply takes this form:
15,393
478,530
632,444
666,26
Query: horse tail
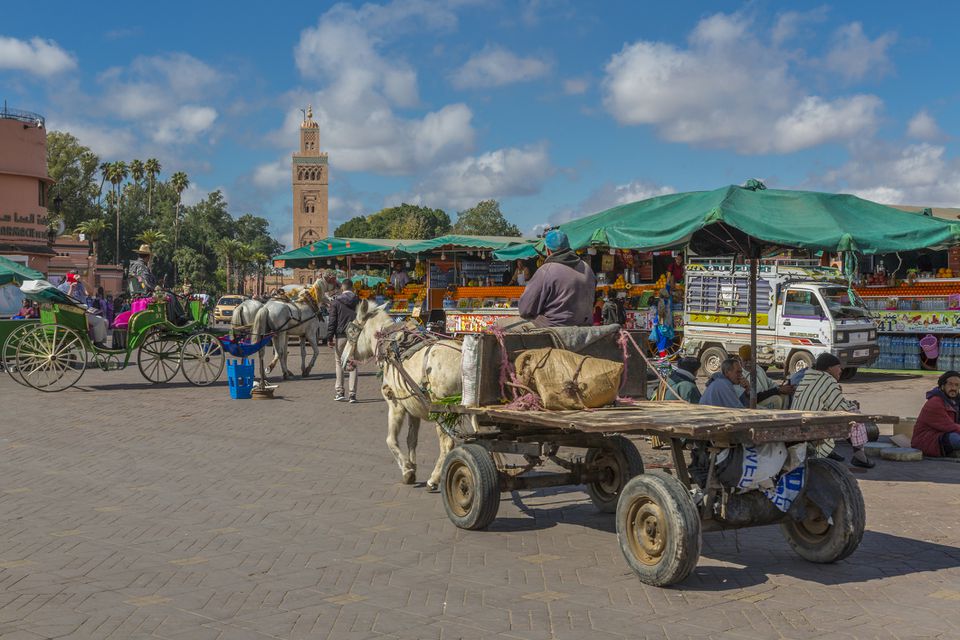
261,324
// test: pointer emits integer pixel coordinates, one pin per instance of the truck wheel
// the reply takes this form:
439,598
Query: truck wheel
711,359
470,486
616,465
848,373
817,540
658,528
799,360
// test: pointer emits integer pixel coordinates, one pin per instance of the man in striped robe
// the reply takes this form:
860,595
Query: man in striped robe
819,390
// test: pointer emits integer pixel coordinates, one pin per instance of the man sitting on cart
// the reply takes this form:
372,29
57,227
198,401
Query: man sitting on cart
143,282
560,293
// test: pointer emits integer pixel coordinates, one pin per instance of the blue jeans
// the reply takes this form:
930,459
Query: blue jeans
950,442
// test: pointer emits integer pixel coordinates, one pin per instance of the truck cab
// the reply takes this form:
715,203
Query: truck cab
803,310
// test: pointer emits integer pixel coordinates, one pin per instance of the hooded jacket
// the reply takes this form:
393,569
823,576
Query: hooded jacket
560,293
938,416
343,311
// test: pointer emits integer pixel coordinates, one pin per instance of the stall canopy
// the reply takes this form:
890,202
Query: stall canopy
334,248
11,271
483,243
741,219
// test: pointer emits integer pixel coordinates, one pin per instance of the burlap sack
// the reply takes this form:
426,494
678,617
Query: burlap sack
567,380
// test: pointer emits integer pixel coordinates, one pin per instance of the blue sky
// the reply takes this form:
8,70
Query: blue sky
556,108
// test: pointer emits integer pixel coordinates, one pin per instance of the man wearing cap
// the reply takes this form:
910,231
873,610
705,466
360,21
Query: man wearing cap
937,432
770,395
343,311
819,390
562,291
141,279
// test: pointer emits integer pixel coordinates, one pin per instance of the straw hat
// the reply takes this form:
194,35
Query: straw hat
144,250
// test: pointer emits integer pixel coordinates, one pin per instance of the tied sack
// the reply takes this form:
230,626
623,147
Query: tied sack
567,380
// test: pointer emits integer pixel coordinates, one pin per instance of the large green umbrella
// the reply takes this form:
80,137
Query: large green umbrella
454,241
334,248
11,271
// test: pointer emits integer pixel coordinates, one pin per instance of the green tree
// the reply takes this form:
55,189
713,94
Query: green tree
484,219
74,167
180,182
137,171
152,169
93,228
393,222
152,237
230,251
116,174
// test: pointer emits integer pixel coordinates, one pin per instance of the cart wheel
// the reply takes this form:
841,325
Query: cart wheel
201,359
50,357
814,538
471,487
159,357
616,465
8,356
711,359
658,528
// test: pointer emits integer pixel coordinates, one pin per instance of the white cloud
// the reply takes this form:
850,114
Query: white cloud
728,88
920,174
103,141
36,56
156,86
789,24
575,86
497,174
272,174
362,82
496,66
184,124
854,55
610,195
923,127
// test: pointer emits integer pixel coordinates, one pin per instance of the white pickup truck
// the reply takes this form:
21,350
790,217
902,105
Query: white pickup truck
803,310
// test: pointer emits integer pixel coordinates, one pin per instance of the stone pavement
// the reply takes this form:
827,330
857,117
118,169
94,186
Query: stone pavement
133,511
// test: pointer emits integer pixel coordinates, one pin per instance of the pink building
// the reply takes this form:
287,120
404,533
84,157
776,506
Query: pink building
24,189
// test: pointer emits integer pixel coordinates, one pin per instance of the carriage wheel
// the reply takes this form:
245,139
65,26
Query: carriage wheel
658,528
8,356
201,359
818,538
470,486
158,358
616,466
51,357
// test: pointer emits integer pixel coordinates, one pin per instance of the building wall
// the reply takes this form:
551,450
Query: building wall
24,190
310,179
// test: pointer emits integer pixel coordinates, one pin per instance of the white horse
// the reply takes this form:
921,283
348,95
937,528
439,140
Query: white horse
299,318
435,368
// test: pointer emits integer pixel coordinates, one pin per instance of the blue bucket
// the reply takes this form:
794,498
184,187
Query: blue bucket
240,377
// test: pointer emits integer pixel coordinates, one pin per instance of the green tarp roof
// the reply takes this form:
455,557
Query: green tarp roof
11,271
729,217
489,243
335,248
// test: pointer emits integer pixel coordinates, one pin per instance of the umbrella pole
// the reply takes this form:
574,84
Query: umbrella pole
753,331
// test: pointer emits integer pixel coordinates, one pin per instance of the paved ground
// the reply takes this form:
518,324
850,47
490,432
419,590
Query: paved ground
131,511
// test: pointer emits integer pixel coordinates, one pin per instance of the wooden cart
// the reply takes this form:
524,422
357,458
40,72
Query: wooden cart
659,516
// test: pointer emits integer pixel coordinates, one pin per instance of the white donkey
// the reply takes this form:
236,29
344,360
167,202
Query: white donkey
435,368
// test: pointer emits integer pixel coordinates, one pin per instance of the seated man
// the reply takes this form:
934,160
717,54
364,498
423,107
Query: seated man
683,382
770,395
819,390
937,432
726,387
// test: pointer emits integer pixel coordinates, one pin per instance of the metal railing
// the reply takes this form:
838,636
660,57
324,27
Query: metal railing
20,115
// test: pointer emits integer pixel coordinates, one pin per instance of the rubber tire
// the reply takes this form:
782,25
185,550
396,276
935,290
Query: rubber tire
708,354
796,358
849,519
485,502
681,524
848,373
628,459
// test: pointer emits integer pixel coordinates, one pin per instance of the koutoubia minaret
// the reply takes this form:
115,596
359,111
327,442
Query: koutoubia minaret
310,181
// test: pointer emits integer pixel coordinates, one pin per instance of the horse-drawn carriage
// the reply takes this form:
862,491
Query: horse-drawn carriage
731,468
52,355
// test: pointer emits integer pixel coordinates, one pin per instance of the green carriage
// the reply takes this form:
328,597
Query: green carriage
52,354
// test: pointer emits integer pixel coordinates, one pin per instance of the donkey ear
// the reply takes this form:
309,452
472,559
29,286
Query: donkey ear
363,308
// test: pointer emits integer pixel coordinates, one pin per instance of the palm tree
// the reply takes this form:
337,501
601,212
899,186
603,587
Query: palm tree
229,250
260,259
104,175
116,174
152,237
152,168
180,182
137,171
243,260
93,229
